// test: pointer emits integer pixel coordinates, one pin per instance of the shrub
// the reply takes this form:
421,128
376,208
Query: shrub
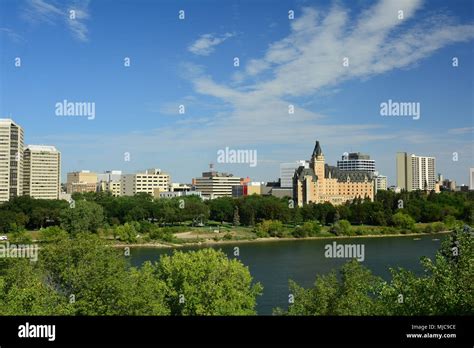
308,229
273,228
127,232
403,221
52,233
20,236
438,227
342,227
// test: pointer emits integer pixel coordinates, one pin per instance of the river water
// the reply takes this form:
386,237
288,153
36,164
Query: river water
273,263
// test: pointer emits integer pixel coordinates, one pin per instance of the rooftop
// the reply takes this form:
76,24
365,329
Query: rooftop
46,148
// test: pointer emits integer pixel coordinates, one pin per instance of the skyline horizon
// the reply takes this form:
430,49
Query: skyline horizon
140,170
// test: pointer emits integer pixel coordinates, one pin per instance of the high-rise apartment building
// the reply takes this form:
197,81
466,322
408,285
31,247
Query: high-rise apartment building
380,182
41,172
415,172
82,181
287,171
11,160
214,184
152,181
356,161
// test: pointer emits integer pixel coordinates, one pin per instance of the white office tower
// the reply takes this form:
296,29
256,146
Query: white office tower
11,160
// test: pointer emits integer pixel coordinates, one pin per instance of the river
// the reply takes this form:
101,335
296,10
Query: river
273,263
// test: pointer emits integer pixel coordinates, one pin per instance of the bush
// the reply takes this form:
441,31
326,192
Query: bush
450,221
308,229
403,221
128,232
164,234
342,227
52,233
20,236
273,228
438,227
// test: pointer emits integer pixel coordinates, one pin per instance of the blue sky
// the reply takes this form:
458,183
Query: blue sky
282,62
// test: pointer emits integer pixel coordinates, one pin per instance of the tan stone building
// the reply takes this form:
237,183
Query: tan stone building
323,183
152,181
42,172
83,181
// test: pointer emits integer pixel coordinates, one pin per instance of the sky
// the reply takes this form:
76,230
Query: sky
335,62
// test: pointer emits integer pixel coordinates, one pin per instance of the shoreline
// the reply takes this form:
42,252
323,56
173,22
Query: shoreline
264,240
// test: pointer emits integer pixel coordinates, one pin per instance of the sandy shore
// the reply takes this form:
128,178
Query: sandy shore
207,242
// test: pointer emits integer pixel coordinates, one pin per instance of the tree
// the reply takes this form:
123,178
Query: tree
352,294
84,217
194,209
24,292
236,216
403,220
52,233
206,282
222,209
127,232
342,227
309,229
272,228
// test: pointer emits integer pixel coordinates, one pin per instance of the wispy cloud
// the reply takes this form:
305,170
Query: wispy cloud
12,35
464,130
73,14
206,43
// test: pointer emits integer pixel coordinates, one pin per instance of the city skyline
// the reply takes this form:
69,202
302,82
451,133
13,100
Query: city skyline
296,164
296,62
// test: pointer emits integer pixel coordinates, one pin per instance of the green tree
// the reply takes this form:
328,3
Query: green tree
127,232
350,294
403,220
222,209
84,217
272,228
342,228
308,229
236,216
52,233
206,282
24,292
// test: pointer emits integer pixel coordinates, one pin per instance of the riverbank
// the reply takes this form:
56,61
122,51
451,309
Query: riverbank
263,240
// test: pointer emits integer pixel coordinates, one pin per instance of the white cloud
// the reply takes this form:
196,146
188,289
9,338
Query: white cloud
463,130
12,35
309,61
206,43
52,12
